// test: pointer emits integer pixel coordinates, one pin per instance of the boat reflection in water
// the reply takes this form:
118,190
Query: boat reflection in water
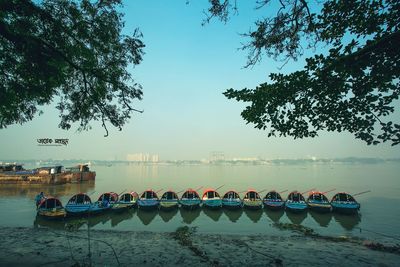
116,218
348,222
323,219
41,222
214,214
146,216
275,215
188,216
233,214
166,216
296,218
254,214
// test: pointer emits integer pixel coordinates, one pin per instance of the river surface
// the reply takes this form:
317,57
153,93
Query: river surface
378,218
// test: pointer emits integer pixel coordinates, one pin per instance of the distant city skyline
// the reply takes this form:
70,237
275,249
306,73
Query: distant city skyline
184,72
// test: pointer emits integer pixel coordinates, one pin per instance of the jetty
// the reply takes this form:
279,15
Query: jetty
13,173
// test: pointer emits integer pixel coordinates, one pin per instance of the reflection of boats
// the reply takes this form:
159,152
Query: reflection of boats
148,200
51,208
169,201
322,219
273,201
347,222
101,218
126,201
190,199
189,215
296,218
213,213
344,203
252,200
274,215
233,214
254,214
52,224
211,199
122,216
166,216
231,200
147,215
318,202
295,202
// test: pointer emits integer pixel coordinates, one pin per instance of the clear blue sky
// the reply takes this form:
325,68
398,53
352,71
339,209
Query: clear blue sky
184,72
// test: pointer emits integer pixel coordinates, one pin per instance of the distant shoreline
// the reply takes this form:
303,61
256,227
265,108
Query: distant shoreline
29,246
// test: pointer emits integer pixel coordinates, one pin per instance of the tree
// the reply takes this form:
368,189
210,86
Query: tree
352,88
69,51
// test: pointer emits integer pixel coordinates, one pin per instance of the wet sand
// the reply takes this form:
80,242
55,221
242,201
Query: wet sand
41,246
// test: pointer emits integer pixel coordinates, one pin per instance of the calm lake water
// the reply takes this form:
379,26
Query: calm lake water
379,215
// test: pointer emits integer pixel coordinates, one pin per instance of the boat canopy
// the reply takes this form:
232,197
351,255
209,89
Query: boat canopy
231,195
210,193
252,195
343,197
80,198
110,196
273,195
50,203
169,195
149,194
318,196
296,196
128,197
190,194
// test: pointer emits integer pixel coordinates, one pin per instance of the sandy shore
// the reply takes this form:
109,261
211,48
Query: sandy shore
41,247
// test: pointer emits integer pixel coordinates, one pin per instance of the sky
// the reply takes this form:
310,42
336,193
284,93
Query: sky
184,72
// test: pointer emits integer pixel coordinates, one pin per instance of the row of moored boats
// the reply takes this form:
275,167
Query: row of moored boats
81,204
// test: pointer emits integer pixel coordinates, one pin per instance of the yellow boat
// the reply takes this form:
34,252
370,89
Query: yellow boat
51,208
252,200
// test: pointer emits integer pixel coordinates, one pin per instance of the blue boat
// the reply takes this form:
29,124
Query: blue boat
295,202
344,203
318,202
232,200
79,204
104,202
273,201
190,199
148,200
211,199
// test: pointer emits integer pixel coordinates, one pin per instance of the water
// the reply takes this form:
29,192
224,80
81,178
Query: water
378,217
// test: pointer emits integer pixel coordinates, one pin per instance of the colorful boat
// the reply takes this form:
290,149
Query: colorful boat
273,201
126,201
51,208
295,202
252,200
211,199
344,203
148,200
190,199
318,202
79,204
232,200
105,202
169,201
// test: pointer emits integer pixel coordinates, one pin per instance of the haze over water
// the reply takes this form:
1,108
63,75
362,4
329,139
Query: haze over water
379,210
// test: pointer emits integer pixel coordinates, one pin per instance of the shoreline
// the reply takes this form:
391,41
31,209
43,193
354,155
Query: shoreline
24,246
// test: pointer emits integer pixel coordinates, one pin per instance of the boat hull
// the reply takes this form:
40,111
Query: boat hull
231,204
320,207
296,207
77,209
274,205
345,208
212,203
148,204
190,204
169,204
252,204
122,206
52,214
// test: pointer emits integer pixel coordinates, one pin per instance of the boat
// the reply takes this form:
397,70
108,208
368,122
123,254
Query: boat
79,204
318,202
231,200
273,201
295,202
51,208
344,203
211,199
252,200
105,201
190,199
148,200
126,201
169,201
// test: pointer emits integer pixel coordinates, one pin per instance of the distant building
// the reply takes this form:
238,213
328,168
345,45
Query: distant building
142,157
217,156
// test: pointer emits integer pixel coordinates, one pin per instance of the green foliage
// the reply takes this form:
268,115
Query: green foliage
353,88
69,51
